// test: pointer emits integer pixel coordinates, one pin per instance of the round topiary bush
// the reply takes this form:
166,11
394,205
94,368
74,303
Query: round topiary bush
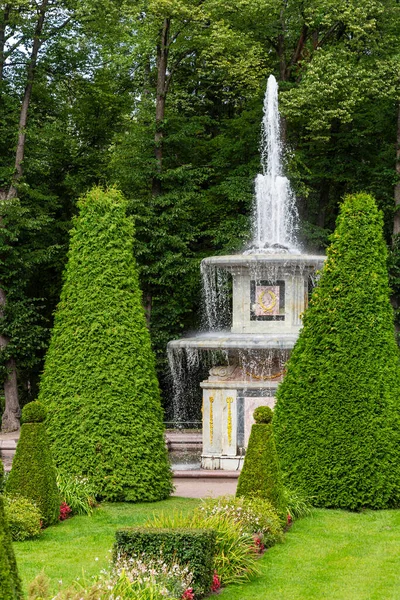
99,383
261,475
33,412
263,414
23,518
10,584
336,420
33,473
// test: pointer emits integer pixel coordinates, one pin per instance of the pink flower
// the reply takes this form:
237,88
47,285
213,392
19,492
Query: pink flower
65,511
188,594
216,584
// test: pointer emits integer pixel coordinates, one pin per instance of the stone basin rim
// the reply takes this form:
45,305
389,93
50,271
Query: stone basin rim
237,341
251,260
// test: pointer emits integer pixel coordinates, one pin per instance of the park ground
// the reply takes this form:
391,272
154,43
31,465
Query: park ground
329,555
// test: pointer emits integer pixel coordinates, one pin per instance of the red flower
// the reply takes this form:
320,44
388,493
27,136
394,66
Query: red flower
289,519
216,584
65,511
188,594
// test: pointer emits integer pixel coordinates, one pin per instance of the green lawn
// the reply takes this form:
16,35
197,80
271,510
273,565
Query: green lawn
83,543
331,555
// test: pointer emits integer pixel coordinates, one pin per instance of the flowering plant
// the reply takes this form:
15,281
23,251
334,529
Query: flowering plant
65,511
252,515
216,584
172,580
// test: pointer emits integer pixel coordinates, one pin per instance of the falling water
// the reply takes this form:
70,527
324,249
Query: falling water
275,214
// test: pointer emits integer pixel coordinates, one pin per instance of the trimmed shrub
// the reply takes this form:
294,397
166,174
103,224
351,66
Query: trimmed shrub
10,584
261,475
99,383
336,419
33,412
263,414
192,547
251,515
33,474
23,518
235,553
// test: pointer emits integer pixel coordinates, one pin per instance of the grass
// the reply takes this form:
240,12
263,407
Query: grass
331,555
83,543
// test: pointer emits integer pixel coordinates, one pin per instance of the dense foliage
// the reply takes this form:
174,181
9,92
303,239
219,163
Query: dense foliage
261,475
252,515
99,383
192,547
235,552
187,170
23,518
336,420
10,585
33,473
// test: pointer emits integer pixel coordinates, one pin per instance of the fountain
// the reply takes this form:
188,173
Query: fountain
268,285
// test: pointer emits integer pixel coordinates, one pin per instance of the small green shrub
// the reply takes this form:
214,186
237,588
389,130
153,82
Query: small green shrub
77,492
235,555
297,504
252,515
10,584
23,517
261,475
192,547
263,414
33,473
33,412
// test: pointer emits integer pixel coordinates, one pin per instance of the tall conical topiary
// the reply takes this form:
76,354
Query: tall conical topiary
99,383
10,584
33,473
261,475
336,421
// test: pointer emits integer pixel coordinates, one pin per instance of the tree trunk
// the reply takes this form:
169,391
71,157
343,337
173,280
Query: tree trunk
3,25
11,415
162,62
10,420
23,117
396,220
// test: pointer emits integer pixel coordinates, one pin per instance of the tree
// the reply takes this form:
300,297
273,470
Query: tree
337,421
10,583
260,476
99,381
33,474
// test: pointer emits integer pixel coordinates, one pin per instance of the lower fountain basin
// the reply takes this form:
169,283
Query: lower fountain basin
225,340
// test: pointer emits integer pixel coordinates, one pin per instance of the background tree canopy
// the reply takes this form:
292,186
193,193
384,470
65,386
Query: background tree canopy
163,98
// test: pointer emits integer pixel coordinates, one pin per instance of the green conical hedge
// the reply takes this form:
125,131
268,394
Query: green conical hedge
336,420
260,475
99,383
33,474
10,584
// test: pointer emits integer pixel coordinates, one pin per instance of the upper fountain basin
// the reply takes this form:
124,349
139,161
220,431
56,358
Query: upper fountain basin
254,261
225,340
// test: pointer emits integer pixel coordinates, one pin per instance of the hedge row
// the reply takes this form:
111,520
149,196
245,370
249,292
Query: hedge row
194,548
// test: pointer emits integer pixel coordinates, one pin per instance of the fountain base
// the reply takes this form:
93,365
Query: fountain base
230,396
